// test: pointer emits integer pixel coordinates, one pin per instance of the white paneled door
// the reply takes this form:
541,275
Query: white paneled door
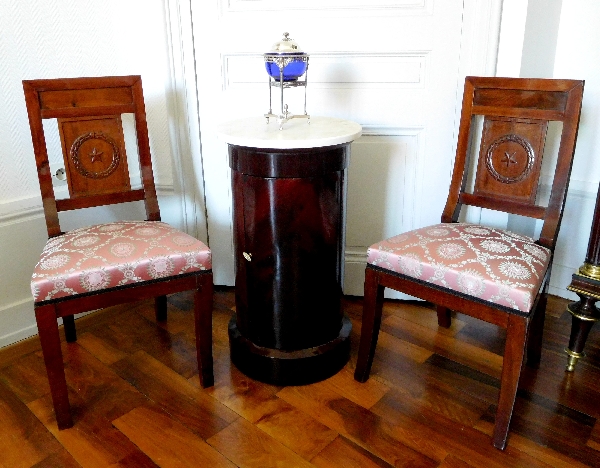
394,66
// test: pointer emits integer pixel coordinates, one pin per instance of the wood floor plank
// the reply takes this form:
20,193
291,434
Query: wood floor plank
93,441
62,459
552,436
363,394
345,453
247,397
132,332
137,459
481,334
394,348
167,442
534,410
459,440
542,453
24,441
190,405
456,392
594,440
18,350
99,348
421,314
399,445
223,299
296,430
249,447
450,347
27,377
181,309
178,320
430,400
100,391
552,382
453,462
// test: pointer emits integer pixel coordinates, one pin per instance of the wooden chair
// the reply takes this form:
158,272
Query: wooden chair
107,264
491,274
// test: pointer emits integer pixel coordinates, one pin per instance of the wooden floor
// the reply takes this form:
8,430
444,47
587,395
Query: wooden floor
430,400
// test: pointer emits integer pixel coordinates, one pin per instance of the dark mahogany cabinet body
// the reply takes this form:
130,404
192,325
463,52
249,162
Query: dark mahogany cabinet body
289,327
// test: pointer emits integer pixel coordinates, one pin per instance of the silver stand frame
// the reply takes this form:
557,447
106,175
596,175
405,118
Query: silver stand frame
281,62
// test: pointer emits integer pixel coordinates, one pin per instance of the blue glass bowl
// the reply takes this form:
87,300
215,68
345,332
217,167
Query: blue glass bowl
291,71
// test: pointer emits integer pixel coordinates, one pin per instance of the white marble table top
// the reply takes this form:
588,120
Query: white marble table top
254,132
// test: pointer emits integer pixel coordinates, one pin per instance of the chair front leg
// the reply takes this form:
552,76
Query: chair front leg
46,319
203,305
514,352
371,322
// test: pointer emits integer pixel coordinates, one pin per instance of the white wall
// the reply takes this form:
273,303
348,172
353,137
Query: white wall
69,38
52,38
578,56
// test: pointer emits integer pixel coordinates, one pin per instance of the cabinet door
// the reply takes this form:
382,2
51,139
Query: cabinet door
288,254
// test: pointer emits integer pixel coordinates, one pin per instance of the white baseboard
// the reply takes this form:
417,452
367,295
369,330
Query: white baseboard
22,319
560,279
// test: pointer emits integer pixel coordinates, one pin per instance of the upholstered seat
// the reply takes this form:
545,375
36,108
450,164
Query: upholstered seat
491,264
109,255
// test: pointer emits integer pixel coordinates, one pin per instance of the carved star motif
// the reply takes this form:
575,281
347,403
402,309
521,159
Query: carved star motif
96,155
509,158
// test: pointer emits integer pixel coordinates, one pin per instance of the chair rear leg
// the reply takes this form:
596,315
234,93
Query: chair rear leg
514,352
444,318
203,305
160,308
371,322
50,339
69,326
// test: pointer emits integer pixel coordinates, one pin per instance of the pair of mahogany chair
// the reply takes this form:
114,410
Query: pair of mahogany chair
112,263
489,273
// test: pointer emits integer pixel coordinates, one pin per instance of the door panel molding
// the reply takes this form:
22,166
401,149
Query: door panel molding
355,7
391,204
184,117
339,70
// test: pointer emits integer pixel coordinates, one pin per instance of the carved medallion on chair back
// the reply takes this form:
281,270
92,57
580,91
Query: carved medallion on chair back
94,154
510,158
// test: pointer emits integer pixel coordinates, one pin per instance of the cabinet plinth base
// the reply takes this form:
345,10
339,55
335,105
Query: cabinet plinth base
299,367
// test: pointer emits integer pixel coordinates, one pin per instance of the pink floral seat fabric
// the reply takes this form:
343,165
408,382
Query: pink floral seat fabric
491,264
115,254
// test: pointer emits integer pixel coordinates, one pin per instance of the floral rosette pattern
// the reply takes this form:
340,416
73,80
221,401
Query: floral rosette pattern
115,254
494,265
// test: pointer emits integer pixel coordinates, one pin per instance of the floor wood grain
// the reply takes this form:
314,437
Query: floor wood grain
430,402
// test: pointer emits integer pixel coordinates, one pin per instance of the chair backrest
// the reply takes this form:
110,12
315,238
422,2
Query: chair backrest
88,113
512,127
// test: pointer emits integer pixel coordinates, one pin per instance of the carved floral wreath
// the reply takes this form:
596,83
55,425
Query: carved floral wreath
74,154
528,150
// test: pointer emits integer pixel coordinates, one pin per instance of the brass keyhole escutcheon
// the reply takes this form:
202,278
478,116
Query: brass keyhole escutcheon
247,256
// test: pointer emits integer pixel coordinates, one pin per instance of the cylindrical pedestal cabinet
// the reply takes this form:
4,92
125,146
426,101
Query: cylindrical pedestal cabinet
288,204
